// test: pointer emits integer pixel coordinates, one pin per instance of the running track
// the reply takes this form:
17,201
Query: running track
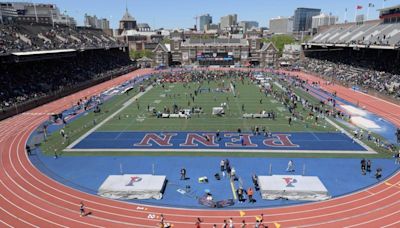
30,199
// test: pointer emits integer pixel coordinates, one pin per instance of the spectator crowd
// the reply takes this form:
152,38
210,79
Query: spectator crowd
26,81
37,37
354,74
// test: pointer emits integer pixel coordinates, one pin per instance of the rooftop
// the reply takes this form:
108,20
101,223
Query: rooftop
127,16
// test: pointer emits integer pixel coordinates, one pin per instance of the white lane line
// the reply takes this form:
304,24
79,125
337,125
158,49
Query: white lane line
22,209
12,215
39,189
376,219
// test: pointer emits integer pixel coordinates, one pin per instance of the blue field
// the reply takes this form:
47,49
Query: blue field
340,176
227,140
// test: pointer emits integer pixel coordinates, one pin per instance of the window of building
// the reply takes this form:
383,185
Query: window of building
253,44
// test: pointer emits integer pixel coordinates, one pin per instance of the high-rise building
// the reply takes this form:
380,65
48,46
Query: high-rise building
105,24
247,25
281,25
302,20
360,18
94,22
205,20
34,12
229,21
322,20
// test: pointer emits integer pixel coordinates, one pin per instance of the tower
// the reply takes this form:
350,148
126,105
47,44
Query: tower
127,22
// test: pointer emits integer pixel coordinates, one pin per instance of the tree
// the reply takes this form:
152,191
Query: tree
166,41
279,41
306,38
134,54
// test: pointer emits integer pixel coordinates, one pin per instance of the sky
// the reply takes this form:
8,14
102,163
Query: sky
181,13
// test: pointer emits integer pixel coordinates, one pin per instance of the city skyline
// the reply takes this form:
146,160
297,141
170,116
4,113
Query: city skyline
184,17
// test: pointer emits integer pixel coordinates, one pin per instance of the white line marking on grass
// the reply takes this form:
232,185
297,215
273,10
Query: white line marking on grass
125,105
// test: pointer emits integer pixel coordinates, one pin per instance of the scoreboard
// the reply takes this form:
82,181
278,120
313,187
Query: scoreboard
206,58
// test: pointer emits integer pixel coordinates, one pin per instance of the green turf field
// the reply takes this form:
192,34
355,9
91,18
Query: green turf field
136,117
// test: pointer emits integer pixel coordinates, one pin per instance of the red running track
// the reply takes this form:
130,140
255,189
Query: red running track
28,198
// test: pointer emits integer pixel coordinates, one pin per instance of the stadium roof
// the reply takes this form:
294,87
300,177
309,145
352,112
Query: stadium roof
356,46
389,8
43,52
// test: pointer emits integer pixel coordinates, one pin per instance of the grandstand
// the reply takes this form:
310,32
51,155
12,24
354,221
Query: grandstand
35,37
41,63
372,34
378,34
363,56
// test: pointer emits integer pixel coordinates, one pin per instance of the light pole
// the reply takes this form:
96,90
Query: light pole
36,16
1,15
52,18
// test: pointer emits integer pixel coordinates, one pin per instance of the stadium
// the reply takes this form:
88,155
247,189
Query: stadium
208,130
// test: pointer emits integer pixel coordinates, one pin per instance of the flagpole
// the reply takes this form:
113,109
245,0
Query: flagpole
1,16
368,12
65,15
355,15
34,7
52,18
345,16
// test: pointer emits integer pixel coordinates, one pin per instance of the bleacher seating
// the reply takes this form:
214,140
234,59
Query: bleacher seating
35,37
364,34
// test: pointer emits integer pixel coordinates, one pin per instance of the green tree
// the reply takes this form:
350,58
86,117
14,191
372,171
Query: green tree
134,54
306,38
166,41
279,41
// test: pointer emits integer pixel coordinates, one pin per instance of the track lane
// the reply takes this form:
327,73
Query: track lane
180,218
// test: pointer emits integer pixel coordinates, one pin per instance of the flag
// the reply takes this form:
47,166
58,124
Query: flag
359,7
371,5
345,10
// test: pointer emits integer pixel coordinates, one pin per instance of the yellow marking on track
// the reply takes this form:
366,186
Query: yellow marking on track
242,213
233,189
277,225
